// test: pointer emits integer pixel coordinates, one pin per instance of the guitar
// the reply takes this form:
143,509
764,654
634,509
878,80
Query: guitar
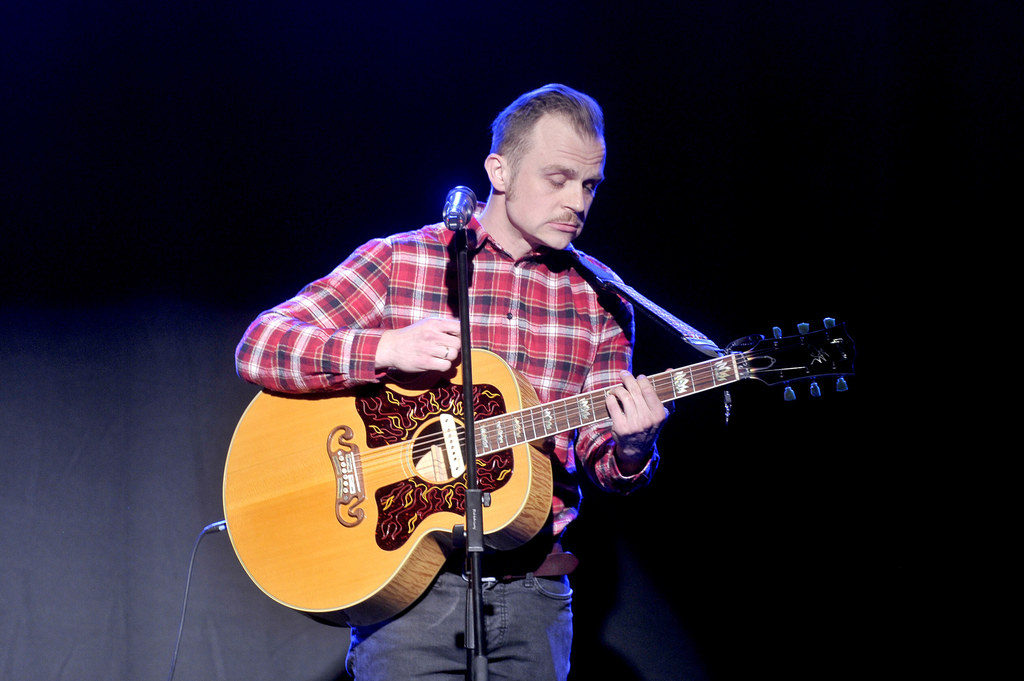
342,505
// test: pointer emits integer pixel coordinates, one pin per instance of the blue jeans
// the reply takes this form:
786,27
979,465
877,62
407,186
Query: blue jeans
528,634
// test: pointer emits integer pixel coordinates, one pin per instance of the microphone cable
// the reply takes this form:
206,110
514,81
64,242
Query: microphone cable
218,526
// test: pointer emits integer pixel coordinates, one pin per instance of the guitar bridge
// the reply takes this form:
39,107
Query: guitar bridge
344,456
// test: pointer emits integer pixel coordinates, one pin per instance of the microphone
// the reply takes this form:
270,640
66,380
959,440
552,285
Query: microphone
459,208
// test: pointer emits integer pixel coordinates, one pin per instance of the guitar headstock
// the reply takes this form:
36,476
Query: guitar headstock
827,352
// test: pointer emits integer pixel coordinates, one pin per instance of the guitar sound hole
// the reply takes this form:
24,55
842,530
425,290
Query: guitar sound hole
431,459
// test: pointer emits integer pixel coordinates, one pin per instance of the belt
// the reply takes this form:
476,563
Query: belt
508,566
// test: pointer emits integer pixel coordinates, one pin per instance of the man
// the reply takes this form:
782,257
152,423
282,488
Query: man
388,309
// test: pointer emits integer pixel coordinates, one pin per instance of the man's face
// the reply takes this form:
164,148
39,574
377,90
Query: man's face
550,192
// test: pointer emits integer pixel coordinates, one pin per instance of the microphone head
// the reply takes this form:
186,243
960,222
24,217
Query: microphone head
459,208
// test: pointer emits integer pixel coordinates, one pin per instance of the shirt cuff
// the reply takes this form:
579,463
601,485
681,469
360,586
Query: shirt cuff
607,470
356,354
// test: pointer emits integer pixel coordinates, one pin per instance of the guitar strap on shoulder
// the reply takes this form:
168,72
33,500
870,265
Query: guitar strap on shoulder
606,281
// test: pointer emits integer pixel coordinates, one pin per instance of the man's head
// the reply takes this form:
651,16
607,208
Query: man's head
510,131
546,161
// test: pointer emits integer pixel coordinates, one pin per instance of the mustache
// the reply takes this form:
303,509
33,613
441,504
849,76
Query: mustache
570,219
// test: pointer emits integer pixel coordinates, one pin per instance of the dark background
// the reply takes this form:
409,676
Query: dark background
172,169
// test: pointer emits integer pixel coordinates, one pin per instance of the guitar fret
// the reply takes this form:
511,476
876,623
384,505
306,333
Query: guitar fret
682,382
583,403
548,420
705,379
482,431
497,436
517,429
531,423
565,407
567,422
561,417
723,371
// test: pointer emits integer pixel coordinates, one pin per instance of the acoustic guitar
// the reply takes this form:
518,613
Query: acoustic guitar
342,505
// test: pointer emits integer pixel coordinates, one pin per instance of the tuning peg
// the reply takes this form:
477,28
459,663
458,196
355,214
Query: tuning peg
788,394
776,332
841,386
803,327
830,322
815,390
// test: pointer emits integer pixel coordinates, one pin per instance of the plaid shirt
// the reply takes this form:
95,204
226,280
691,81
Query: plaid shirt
537,313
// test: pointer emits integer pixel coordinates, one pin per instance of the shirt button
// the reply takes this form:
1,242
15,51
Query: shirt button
509,315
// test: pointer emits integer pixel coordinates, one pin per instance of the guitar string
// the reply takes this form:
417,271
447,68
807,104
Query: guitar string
532,419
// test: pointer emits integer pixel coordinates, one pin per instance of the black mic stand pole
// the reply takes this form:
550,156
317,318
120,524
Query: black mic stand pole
474,529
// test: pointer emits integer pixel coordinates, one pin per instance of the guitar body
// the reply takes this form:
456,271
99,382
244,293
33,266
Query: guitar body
342,505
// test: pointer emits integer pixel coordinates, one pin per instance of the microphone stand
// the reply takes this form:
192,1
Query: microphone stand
473,531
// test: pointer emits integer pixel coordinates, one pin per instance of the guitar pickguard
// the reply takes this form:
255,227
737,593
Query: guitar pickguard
405,504
391,417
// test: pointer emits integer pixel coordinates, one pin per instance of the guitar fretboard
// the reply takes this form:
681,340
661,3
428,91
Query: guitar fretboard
544,420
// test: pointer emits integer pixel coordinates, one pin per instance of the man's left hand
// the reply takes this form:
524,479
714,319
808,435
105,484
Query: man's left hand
637,417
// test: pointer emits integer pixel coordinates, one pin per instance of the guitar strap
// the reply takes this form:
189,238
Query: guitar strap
605,281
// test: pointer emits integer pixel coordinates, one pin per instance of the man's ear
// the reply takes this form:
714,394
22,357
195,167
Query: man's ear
498,171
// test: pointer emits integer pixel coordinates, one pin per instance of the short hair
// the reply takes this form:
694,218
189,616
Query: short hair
511,130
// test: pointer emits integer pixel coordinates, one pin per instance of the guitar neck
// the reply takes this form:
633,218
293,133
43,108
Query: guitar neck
544,420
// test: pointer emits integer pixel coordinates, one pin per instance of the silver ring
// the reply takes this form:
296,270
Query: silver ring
446,350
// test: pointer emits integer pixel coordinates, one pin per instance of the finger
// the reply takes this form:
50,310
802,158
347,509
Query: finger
633,385
614,400
650,395
637,405
446,341
632,394
448,327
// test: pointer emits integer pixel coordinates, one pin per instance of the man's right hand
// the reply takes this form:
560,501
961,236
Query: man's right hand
428,345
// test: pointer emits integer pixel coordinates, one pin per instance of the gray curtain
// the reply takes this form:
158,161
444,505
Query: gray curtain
115,423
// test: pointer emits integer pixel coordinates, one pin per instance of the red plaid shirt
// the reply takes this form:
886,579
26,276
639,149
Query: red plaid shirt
537,313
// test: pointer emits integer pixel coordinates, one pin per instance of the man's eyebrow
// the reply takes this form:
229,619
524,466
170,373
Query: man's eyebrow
570,173
560,170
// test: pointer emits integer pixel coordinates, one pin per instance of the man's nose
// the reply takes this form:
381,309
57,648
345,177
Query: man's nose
577,199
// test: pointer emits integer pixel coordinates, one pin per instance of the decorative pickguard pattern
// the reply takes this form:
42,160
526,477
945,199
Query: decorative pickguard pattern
405,504
391,417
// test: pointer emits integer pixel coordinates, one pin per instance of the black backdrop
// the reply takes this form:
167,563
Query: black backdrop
171,169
